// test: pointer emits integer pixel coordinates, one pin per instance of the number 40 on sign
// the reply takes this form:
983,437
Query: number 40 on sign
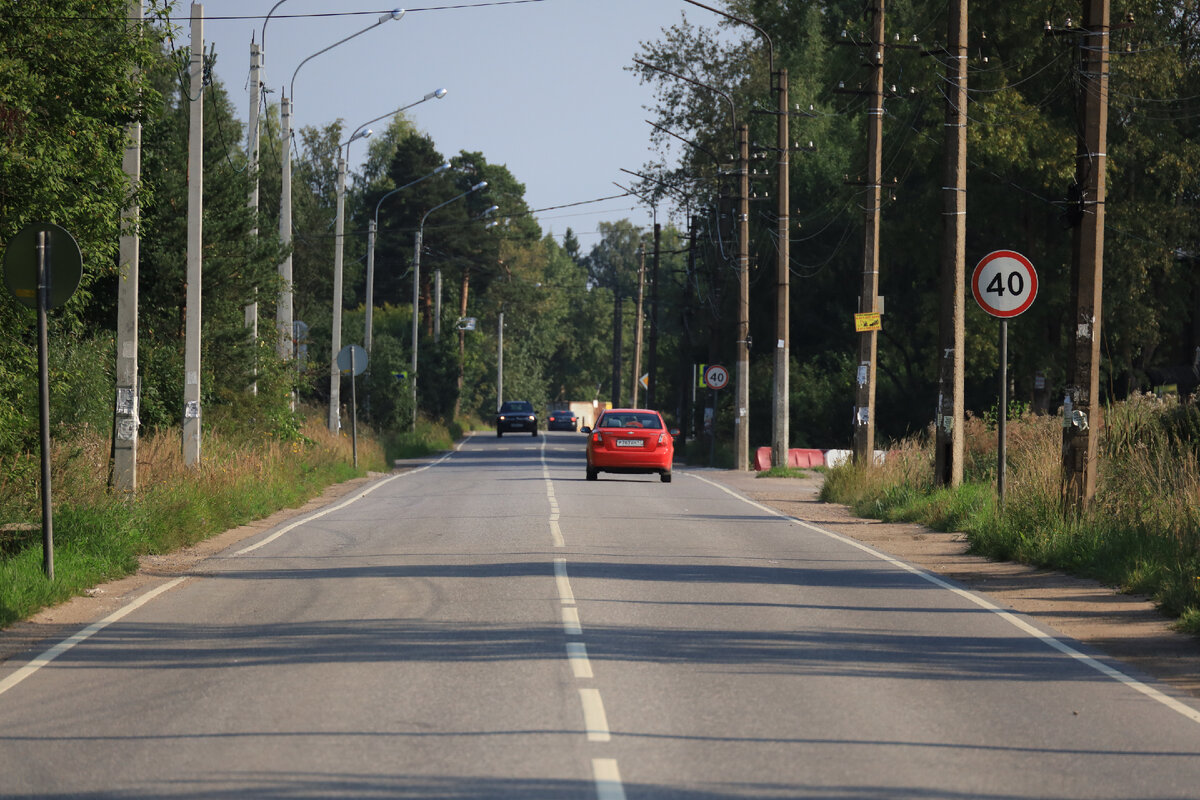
1004,283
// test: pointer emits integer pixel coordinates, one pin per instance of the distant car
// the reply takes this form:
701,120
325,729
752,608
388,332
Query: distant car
562,421
516,415
630,440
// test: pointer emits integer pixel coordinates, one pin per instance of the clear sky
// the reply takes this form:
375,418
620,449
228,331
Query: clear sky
539,86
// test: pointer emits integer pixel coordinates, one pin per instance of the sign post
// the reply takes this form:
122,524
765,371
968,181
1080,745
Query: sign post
42,269
715,377
353,359
1004,284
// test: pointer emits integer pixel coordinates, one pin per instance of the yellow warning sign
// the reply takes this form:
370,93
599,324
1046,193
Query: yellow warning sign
867,322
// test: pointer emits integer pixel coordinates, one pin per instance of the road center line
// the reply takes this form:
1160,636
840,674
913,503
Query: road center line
578,658
608,779
594,718
564,583
555,531
1017,622
570,617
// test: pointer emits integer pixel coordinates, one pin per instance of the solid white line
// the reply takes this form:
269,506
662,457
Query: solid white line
66,644
1017,622
608,779
85,634
594,718
339,506
564,583
578,657
571,622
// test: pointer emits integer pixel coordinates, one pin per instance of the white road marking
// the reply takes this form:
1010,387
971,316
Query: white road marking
571,624
1017,622
555,531
608,779
338,507
85,634
564,583
578,658
594,718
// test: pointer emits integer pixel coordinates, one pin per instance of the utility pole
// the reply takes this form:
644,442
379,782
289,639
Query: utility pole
499,359
335,329
1082,414
948,460
741,422
651,398
781,427
638,325
252,152
283,305
617,343
125,416
864,417
195,239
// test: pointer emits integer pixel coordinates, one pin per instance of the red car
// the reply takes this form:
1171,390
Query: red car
630,440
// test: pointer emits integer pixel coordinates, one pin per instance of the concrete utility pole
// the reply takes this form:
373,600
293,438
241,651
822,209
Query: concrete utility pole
125,416
252,152
741,422
283,303
335,329
781,433
195,240
652,368
1082,414
864,416
948,467
500,360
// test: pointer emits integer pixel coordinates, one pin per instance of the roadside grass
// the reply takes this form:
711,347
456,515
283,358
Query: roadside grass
99,536
1141,533
783,472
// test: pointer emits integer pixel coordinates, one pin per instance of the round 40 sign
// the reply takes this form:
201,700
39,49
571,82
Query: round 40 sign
1004,283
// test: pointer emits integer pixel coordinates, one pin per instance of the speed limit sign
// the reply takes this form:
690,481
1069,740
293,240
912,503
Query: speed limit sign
716,376
1004,283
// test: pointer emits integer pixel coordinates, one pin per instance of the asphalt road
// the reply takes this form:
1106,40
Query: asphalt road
494,626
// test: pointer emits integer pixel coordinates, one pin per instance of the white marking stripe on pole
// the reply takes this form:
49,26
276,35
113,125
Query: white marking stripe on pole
1051,641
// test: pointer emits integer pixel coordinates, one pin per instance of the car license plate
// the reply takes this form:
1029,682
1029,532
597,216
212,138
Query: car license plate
629,442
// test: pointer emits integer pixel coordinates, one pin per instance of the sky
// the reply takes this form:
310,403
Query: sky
537,85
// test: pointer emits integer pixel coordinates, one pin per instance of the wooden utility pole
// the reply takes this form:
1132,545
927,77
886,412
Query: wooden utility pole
864,416
948,467
1082,414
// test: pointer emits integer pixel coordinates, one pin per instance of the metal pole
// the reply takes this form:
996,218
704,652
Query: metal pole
339,227
951,409
651,394
782,433
353,408
125,416
864,422
437,305
1083,363
1002,417
741,420
370,298
500,361
195,241
43,290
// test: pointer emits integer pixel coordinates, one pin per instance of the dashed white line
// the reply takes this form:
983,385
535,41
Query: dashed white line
594,719
570,617
608,779
578,658
564,583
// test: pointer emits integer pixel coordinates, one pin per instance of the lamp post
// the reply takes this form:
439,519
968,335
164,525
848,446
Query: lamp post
283,312
741,426
412,376
335,372
372,230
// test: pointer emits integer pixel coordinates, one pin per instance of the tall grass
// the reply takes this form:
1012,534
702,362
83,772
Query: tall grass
99,536
1141,533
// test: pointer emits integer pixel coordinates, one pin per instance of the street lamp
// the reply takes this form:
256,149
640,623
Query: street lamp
335,372
283,312
372,228
412,377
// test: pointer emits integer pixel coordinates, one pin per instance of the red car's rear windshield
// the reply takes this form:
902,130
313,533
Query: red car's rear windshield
630,421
